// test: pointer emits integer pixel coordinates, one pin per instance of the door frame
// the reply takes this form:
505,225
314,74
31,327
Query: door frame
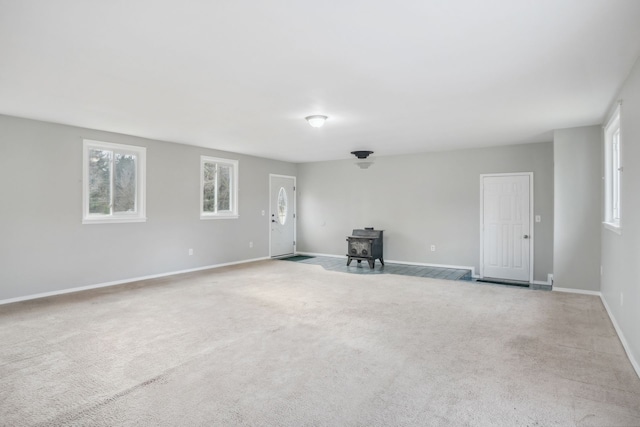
531,219
295,216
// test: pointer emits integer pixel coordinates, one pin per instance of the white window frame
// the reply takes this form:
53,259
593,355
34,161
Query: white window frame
140,214
233,192
613,173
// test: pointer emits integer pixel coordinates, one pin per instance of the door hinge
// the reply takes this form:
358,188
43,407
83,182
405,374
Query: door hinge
294,215
294,188
294,243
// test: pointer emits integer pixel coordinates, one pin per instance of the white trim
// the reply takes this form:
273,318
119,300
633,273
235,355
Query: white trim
141,183
613,124
531,220
295,212
576,291
281,176
219,216
233,194
613,227
621,336
623,340
114,220
614,116
121,282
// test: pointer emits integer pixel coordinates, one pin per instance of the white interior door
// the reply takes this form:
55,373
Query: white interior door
282,215
506,228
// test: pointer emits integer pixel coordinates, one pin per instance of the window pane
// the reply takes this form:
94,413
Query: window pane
209,188
612,169
283,206
616,175
124,183
219,189
99,182
224,188
113,183
209,172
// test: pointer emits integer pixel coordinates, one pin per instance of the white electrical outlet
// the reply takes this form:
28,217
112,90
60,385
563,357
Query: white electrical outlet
538,218
433,248
250,244
190,252
263,212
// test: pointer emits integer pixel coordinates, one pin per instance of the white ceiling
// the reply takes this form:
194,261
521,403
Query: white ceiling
393,77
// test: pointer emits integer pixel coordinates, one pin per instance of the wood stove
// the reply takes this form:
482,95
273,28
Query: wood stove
365,244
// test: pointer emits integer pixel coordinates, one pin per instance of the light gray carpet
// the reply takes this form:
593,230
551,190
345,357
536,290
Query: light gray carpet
283,343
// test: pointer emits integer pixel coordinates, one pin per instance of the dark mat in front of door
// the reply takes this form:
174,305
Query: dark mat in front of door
502,282
296,258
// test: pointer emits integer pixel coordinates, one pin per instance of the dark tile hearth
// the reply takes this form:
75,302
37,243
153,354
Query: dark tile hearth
339,264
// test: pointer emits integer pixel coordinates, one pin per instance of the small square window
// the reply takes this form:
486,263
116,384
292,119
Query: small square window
113,185
218,188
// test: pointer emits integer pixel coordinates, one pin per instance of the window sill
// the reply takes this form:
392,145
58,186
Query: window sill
112,220
219,216
613,227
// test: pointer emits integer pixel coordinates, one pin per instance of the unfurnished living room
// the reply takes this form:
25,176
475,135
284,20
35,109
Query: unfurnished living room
348,213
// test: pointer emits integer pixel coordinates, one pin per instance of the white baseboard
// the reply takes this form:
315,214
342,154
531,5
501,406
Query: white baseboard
577,291
121,282
623,340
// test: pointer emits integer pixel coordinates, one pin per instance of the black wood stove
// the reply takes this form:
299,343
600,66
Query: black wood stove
365,245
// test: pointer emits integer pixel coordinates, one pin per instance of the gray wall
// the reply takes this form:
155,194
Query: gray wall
578,205
44,247
621,253
420,200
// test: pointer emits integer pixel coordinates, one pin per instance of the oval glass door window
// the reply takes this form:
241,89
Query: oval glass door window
283,206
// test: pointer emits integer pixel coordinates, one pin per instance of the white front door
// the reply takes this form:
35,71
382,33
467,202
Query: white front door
282,215
505,226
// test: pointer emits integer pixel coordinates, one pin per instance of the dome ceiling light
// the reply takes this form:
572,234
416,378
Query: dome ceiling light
316,121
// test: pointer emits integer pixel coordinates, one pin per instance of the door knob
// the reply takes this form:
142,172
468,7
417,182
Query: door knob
526,236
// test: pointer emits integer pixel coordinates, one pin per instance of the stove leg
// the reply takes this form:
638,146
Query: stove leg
372,263
359,261
381,261
348,261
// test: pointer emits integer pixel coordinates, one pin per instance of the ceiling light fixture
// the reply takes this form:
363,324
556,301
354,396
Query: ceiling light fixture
316,121
361,156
